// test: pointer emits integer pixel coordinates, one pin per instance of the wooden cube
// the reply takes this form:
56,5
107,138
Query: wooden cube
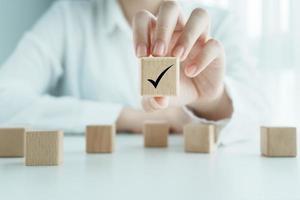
156,134
12,142
100,138
278,141
44,148
199,138
159,76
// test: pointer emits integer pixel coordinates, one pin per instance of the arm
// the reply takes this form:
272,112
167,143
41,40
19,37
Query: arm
243,92
202,58
212,87
242,83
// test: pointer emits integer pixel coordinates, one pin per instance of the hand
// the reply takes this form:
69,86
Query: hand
202,58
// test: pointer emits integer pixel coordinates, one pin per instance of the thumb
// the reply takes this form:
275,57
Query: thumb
151,104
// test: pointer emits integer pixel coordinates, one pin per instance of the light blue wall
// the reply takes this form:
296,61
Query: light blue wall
17,16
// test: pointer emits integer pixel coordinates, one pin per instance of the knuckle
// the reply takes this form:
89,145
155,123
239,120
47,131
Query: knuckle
173,5
216,44
162,29
187,38
201,13
163,32
141,15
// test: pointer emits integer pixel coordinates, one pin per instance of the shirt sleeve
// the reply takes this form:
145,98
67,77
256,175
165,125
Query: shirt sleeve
33,70
241,83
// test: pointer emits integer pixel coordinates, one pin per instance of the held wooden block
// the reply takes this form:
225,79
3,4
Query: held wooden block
44,148
12,142
199,138
100,138
156,134
278,141
159,76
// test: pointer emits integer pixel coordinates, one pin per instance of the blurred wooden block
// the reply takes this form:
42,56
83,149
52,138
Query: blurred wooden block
156,134
278,141
12,142
44,148
100,138
159,76
199,138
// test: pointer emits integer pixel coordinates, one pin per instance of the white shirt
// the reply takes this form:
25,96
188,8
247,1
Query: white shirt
77,66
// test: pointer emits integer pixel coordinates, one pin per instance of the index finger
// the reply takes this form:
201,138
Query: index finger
169,18
141,25
196,27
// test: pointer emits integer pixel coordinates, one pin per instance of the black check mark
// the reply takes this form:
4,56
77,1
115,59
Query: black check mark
155,83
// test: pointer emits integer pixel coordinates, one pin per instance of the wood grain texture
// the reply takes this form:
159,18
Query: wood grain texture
156,133
151,68
44,148
278,141
100,138
199,138
12,142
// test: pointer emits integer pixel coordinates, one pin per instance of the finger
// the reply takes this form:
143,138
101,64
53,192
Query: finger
151,104
207,54
196,27
141,24
167,21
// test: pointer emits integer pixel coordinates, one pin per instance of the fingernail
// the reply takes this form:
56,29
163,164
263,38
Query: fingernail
159,48
191,70
141,50
178,52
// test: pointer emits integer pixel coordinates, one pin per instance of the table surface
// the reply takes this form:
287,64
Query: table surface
133,172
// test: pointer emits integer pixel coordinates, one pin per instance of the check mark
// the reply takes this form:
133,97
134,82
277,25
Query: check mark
155,83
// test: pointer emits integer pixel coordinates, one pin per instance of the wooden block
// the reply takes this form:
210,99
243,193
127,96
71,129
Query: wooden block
156,134
100,138
12,142
278,141
199,138
44,148
159,76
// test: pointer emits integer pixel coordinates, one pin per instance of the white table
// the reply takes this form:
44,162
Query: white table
136,173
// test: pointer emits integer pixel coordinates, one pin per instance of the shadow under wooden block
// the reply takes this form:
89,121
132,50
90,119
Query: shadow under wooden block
12,142
159,76
278,141
100,138
44,148
199,138
156,133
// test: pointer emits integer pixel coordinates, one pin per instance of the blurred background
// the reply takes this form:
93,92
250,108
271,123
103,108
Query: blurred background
273,32
17,16
272,28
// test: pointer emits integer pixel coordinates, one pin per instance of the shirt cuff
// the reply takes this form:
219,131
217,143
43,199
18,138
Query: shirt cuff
220,124
244,122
